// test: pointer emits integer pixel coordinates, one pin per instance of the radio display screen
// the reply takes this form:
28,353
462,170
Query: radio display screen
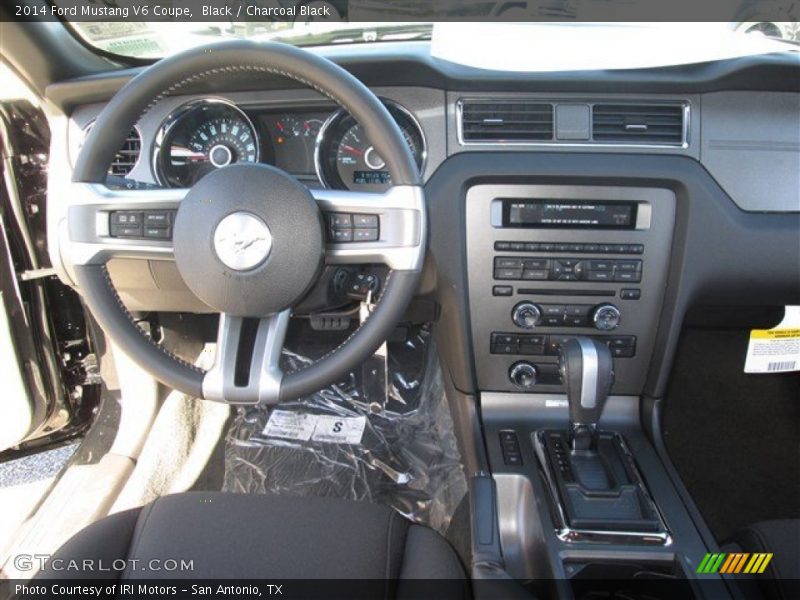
587,214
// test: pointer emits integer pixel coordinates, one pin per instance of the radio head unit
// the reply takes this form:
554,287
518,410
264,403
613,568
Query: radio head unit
567,214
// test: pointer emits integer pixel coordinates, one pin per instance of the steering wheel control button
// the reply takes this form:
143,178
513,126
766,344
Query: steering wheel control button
365,235
340,220
346,227
148,225
368,221
156,233
242,241
236,240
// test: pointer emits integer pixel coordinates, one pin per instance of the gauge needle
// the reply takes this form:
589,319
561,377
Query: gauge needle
186,153
351,150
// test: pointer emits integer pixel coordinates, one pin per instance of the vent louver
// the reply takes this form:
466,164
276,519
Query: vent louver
638,123
126,158
128,155
506,121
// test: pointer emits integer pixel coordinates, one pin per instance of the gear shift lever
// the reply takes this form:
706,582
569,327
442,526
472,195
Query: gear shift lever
587,370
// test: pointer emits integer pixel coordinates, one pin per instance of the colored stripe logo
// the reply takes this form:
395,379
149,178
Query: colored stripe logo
731,563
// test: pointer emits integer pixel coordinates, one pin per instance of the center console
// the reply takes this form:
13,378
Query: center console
566,285
548,262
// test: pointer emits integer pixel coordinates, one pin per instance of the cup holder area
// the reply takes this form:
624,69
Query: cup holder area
631,580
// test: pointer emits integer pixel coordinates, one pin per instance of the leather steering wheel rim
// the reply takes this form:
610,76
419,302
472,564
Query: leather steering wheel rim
170,75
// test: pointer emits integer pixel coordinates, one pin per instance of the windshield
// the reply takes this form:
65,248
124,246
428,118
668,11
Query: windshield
154,40
150,40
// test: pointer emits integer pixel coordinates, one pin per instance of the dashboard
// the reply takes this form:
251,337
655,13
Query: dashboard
594,219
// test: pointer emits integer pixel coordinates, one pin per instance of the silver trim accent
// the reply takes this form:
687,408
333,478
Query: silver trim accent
176,115
265,373
401,208
337,114
84,234
589,366
685,141
242,241
572,535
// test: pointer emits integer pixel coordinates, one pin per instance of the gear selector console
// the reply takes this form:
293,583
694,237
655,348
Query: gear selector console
594,482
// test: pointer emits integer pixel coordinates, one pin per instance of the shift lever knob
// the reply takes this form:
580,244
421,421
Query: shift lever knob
587,370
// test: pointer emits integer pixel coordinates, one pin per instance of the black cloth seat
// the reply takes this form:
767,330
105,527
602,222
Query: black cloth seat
237,536
781,580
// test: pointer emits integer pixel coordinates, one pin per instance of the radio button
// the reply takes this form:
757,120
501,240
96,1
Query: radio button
630,294
532,247
550,310
568,277
535,275
577,310
553,321
576,321
591,247
517,246
508,274
504,262
600,265
635,249
628,265
502,245
536,263
599,276
530,347
547,247
627,276
502,290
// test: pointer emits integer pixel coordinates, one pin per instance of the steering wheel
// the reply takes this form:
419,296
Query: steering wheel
248,239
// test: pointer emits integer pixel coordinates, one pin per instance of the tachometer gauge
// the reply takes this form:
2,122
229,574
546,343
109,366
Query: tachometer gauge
346,159
200,137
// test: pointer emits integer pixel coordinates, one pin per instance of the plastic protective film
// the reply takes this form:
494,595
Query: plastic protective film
396,448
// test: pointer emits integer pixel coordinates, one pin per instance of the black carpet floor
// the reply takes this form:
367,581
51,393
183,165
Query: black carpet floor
734,438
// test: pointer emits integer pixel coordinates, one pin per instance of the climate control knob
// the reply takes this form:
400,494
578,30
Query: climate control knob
526,315
606,317
523,375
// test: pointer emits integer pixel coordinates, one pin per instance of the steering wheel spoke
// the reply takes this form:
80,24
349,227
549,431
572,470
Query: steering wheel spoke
246,368
93,231
391,224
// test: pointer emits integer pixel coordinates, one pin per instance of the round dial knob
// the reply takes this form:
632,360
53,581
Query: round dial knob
526,315
523,375
606,317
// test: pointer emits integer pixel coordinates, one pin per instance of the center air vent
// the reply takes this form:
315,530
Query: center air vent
638,123
506,121
126,158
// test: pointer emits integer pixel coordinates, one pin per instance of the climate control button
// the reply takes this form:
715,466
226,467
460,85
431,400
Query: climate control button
526,315
606,317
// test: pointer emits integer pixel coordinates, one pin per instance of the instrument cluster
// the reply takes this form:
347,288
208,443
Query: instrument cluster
331,147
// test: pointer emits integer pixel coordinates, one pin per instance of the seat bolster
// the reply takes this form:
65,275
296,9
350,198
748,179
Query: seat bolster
429,557
782,539
105,541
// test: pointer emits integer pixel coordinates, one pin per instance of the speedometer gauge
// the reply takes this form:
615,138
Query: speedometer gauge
346,159
200,137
